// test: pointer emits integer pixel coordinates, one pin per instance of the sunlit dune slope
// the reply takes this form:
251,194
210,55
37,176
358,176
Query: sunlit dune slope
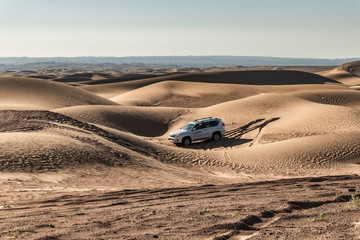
296,114
348,73
41,140
111,90
312,152
199,94
351,67
28,93
184,94
332,97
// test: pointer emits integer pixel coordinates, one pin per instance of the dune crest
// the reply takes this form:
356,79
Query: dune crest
351,67
348,74
43,94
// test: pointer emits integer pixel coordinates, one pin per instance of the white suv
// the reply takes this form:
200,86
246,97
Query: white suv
200,129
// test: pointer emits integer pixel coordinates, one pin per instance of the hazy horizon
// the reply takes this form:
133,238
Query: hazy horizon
210,55
63,28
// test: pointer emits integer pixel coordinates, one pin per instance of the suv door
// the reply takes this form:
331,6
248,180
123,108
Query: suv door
213,126
199,131
208,131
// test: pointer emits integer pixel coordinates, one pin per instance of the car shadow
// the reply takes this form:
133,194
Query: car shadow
233,138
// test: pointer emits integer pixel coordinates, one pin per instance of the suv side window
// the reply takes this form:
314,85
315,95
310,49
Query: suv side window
199,126
207,124
214,123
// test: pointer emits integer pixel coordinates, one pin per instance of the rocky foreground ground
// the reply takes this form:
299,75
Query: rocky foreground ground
300,208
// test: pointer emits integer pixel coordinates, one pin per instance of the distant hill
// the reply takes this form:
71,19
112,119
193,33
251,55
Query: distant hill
8,63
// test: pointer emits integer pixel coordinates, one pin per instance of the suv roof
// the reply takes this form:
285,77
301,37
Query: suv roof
205,119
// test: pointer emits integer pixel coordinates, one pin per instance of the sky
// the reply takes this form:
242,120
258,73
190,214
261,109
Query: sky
277,28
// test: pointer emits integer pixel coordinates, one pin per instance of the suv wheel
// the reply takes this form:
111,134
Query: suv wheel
216,136
186,141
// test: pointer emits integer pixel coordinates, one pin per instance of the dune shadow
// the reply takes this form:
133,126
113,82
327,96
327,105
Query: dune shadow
233,138
256,77
224,142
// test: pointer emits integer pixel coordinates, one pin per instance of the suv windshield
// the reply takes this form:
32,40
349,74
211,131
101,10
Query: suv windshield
188,126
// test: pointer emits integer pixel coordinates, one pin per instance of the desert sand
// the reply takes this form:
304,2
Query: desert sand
85,155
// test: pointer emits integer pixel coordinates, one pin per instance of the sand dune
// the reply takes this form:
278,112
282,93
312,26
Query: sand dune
184,94
313,152
109,90
27,93
296,117
351,67
107,78
342,76
76,77
195,94
332,97
142,121
45,141
348,74
254,77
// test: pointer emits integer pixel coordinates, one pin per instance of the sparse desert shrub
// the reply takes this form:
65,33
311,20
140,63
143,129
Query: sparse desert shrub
28,228
235,213
64,220
319,217
5,204
14,234
354,201
205,209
